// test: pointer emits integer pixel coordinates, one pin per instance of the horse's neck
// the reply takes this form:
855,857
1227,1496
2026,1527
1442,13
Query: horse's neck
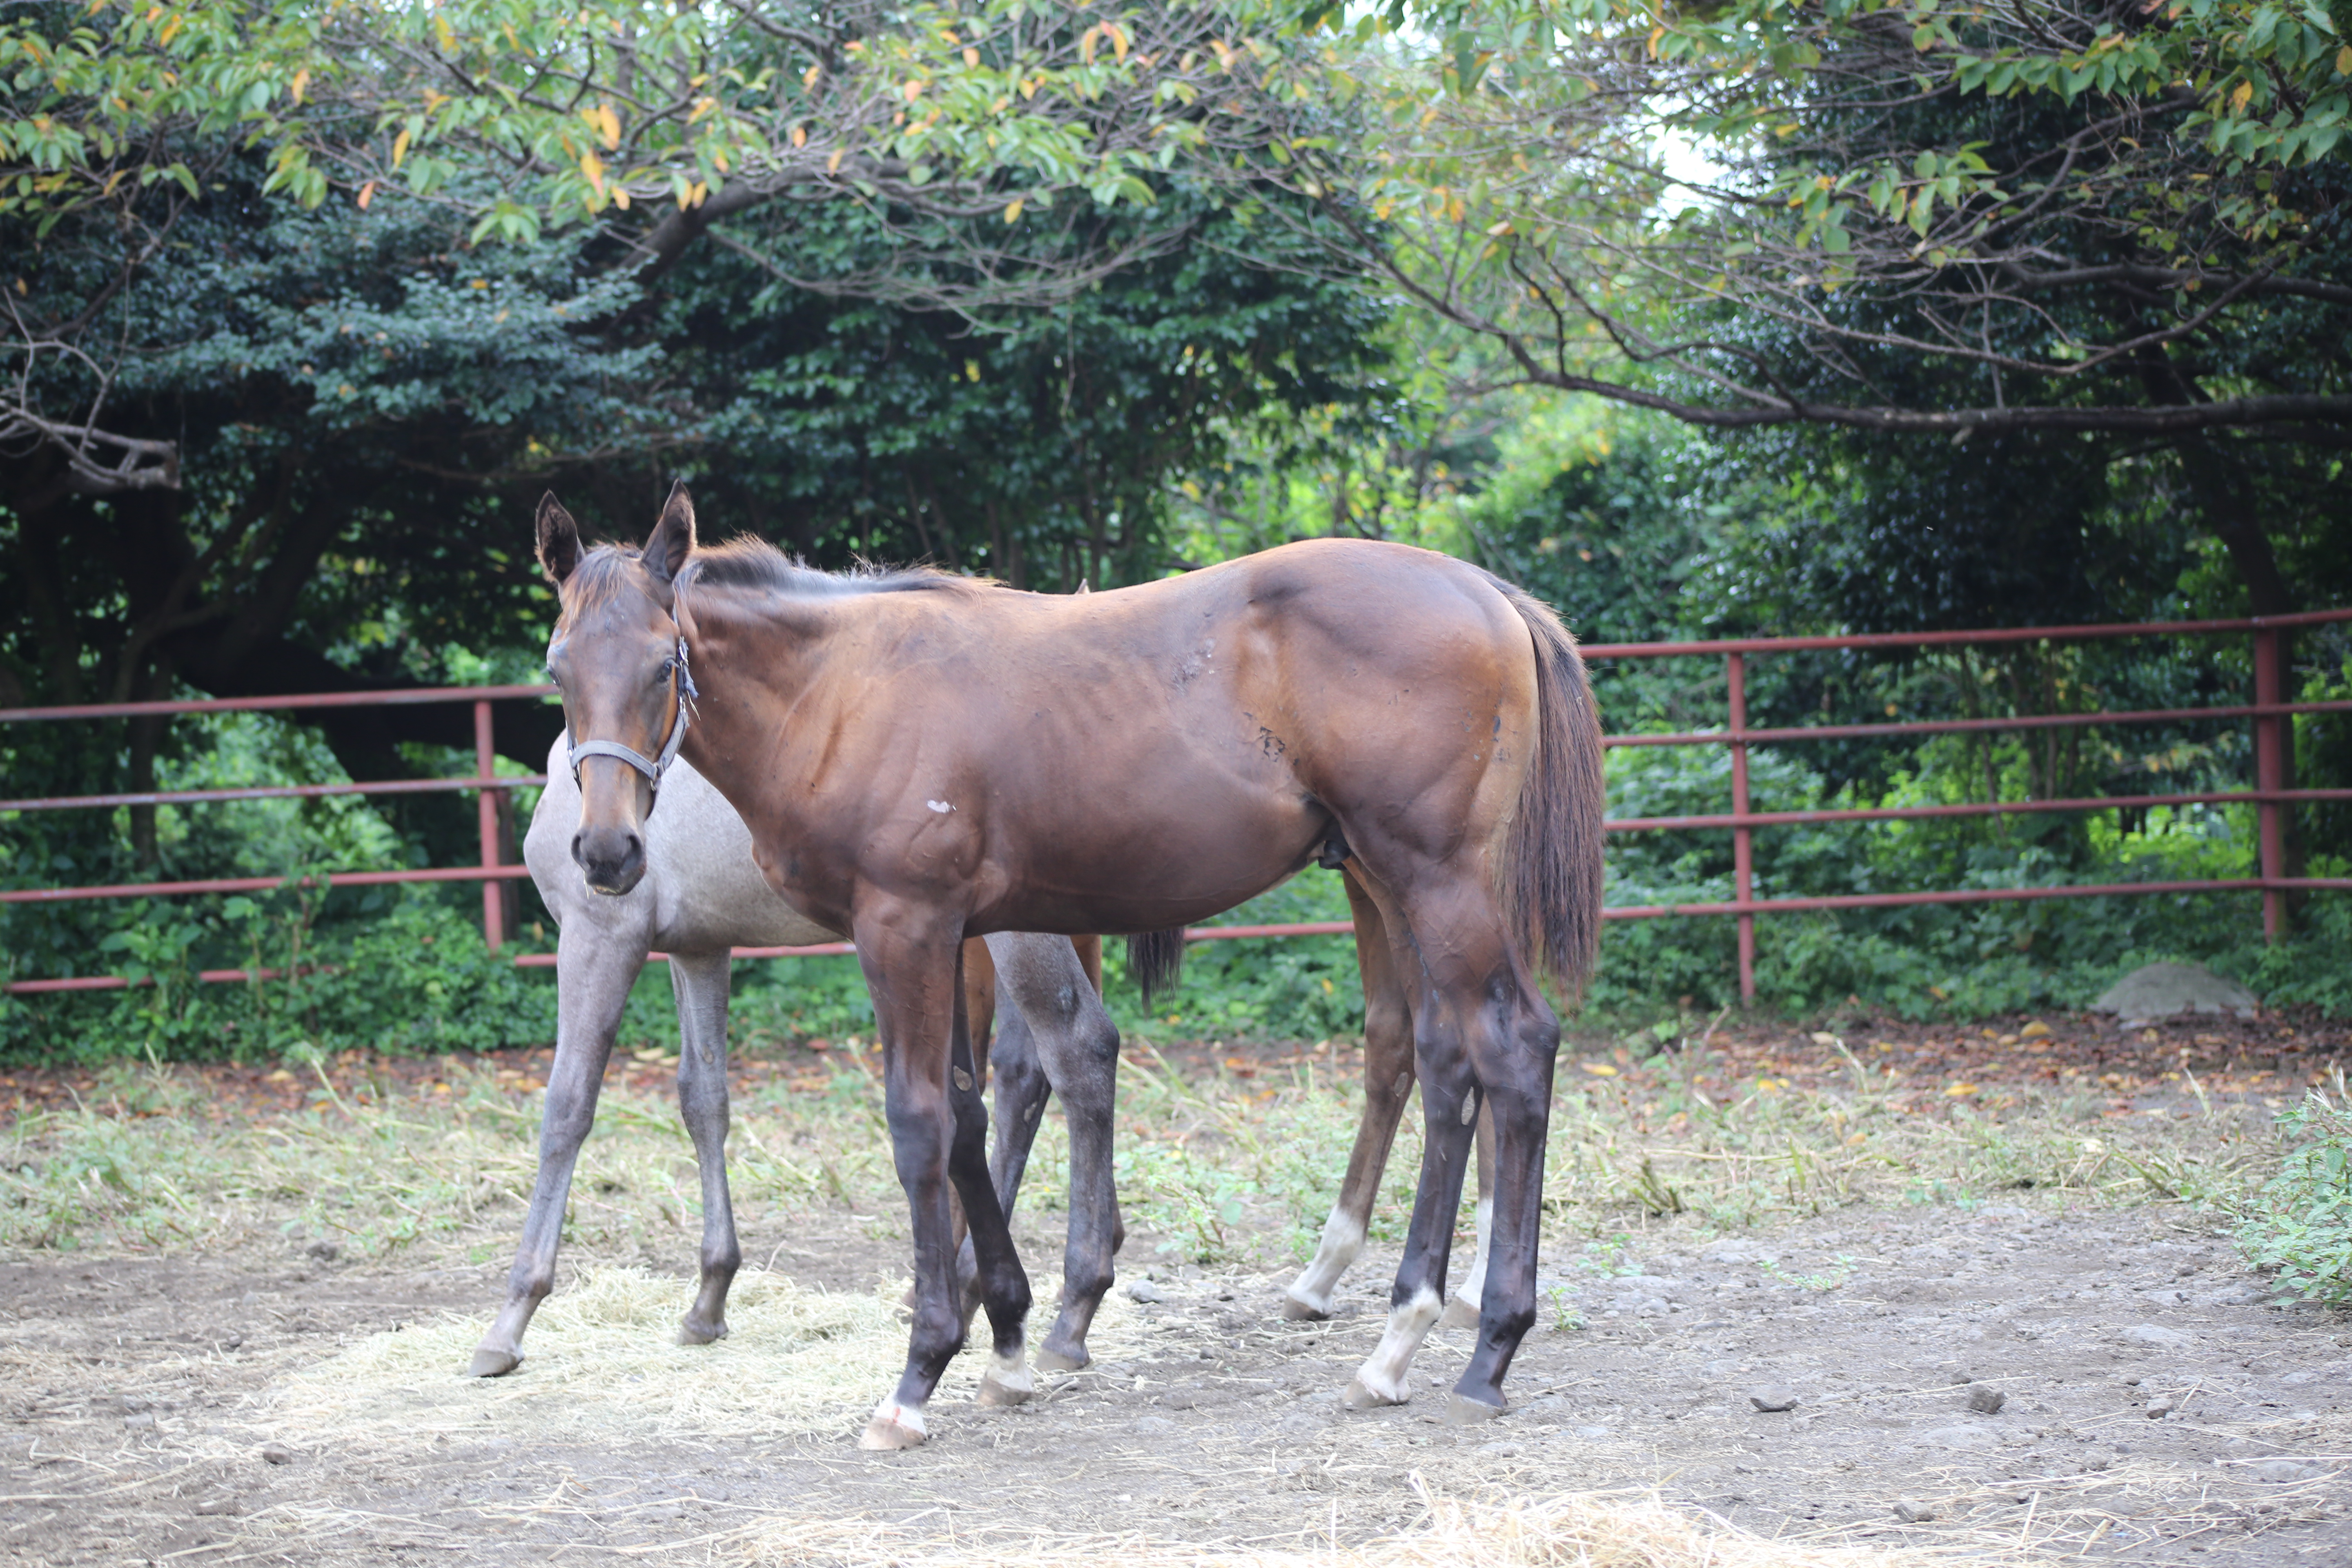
753,654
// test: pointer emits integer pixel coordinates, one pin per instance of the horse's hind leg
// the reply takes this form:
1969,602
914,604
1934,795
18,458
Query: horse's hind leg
1388,1083
1479,1024
700,982
1074,1049
593,970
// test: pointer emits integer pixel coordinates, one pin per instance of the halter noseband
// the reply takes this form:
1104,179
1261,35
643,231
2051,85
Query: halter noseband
653,769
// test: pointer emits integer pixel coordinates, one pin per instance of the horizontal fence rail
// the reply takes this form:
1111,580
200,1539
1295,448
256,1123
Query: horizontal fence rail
2269,713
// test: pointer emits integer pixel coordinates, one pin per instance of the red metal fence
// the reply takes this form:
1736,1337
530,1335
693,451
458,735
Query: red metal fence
2269,713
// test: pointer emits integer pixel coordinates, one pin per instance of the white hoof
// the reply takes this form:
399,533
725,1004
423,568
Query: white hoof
894,1426
1360,1396
1300,1309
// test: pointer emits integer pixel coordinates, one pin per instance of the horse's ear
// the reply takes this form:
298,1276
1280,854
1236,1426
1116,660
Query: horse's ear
559,540
673,536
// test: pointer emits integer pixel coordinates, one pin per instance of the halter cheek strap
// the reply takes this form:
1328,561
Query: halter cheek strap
653,770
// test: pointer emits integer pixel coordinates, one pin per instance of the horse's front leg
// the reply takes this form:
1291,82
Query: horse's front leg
1075,1048
938,1138
701,981
593,970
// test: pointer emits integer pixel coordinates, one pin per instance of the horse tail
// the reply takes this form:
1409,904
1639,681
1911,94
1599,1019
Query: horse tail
1155,958
1553,875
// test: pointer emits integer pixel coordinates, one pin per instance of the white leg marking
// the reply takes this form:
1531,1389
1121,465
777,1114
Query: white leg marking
1473,1287
910,1416
1342,1239
1385,1369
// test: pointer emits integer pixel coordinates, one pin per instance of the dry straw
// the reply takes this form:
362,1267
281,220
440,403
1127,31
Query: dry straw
1606,1530
602,1359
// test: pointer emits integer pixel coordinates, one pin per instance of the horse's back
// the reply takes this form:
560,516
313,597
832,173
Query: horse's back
701,891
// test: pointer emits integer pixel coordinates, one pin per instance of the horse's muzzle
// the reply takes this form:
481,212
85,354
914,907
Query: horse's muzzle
612,858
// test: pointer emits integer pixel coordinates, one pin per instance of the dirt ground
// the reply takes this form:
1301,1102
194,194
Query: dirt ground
2149,1406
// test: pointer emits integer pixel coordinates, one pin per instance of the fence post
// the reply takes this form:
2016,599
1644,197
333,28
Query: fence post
485,768
1742,863
2270,777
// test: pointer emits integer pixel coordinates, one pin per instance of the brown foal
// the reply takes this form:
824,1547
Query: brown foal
922,757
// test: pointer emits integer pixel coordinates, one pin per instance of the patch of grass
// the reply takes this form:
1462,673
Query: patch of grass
1216,1168
2300,1222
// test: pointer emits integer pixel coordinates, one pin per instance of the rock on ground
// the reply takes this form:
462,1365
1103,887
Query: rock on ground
2162,990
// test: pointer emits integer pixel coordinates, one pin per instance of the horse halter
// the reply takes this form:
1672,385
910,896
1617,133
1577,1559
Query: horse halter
653,769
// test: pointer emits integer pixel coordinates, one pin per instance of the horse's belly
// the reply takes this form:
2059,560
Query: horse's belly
1151,867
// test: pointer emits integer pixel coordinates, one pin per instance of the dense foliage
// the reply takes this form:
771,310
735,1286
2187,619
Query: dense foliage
310,303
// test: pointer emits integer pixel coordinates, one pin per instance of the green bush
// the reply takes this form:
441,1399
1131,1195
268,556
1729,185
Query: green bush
2301,1222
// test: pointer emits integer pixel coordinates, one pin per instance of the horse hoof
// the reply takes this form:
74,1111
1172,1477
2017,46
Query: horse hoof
996,1395
1459,1314
490,1362
1055,1361
1461,1410
884,1434
1359,1397
1006,1382
1299,1311
690,1332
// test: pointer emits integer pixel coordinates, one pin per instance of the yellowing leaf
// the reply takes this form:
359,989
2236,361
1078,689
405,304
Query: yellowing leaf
913,89
1958,1090
620,197
301,84
800,136
2238,99
971,57
2344,60
1013,210
449,38
367,194
833,164
171,30
594,168
1117,38
808,77
1087,41
399,148
2033,1031
1599,1069
608,125
972,370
